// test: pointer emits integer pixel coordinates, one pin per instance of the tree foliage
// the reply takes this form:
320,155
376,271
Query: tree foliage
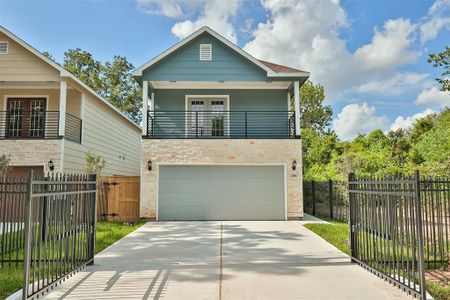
5,160
112,79
424,147
94,163
314,114
442,60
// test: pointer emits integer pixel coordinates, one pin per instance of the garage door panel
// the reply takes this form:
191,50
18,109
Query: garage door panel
221,193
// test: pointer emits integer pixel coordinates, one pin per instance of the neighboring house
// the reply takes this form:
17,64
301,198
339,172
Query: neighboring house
48,116
221,136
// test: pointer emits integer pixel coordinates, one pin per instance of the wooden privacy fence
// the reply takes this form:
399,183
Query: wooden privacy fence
118,198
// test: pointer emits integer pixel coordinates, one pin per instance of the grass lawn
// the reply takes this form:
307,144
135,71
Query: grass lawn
337,234
107,234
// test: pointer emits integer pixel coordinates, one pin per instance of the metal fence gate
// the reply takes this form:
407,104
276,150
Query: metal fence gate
59,230
386,232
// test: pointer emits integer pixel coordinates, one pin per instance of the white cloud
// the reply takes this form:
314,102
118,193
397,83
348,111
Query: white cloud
397,84
306,34
437,18
430,29
389,48
407,122
217,14
168,8
433,96
356,118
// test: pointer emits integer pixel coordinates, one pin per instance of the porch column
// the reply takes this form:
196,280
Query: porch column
144,107
62,106
297,107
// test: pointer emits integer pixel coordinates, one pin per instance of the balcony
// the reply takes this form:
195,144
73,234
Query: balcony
221,125
37,124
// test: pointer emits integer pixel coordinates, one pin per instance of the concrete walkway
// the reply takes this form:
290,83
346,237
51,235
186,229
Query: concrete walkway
224,260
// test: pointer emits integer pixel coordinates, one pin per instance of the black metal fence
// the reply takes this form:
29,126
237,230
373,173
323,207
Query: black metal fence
49,228
13,194
435,207
386,229
326,199
220,124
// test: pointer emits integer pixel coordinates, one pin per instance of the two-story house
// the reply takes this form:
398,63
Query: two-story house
49,119
221,135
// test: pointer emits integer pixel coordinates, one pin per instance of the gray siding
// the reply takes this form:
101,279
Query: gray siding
240,101
110,136
184,64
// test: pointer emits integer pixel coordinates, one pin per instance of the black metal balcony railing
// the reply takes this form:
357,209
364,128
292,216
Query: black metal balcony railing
221,124
20,124
73,129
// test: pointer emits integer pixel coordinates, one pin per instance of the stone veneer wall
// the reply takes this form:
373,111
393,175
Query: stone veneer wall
32,152
221,151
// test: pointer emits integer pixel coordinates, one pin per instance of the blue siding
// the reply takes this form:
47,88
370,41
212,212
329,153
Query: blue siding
184,64
240,101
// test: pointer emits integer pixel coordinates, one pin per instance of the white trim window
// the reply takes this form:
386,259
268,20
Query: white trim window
207,115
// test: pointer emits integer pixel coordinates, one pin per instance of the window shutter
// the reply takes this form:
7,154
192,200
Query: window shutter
205,52
3,47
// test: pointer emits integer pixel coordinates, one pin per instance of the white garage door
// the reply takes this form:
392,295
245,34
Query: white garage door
221,193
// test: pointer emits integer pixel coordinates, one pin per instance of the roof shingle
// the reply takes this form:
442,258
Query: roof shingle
279,68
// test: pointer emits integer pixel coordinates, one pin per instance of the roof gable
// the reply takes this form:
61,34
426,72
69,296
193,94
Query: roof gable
223,43
184,64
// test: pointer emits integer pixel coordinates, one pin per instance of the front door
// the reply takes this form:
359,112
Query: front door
26,117
207,117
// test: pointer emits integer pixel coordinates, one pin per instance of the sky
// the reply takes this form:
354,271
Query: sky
370,55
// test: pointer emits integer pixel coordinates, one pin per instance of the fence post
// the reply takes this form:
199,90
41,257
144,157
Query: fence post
92,221
27,236
330,196
351,219
313,188
44,212
418,208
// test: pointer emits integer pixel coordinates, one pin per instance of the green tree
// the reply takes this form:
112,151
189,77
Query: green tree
120,88
47,54
5,161
432,151
81,64
314,114
442,60
94,163
112,80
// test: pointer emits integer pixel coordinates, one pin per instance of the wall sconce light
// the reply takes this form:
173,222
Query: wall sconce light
294,165
51,165
149,165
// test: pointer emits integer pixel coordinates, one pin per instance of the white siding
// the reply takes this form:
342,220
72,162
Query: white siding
109,135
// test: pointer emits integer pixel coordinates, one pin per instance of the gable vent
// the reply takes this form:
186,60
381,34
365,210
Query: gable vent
205,52
3,47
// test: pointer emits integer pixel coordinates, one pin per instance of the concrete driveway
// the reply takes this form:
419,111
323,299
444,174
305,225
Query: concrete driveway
224,260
